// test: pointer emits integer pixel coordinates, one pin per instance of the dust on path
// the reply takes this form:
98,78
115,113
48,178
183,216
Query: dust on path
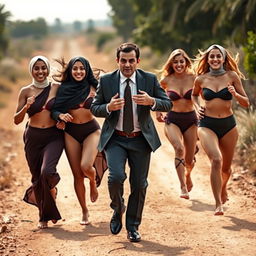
170,226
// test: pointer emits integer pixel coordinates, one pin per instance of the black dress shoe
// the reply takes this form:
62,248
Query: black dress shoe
116,223
133,236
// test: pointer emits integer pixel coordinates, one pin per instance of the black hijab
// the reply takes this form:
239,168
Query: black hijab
72,92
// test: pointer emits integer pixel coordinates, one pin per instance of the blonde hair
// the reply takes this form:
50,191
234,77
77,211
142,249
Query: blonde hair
167,68
201,65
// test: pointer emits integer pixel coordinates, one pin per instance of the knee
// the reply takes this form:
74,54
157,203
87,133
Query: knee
216,162
226,170
51,179
140,186
179,151
86,168
190,164
116,179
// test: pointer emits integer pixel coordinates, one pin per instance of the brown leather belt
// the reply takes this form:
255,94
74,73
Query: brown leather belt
128,135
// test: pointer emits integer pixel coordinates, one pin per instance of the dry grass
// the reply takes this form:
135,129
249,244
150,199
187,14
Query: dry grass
246,146
7,153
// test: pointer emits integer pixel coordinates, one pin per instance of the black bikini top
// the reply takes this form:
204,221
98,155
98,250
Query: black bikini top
40,103
176,96
86,104
223,94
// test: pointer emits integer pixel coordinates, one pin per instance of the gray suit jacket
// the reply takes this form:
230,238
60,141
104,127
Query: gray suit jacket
109,86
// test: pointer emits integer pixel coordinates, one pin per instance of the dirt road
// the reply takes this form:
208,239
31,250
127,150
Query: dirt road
170,226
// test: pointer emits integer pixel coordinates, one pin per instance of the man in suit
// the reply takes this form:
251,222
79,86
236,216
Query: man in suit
125,98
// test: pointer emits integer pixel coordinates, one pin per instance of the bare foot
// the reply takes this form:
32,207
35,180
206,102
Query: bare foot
85,219
93,191
224,195
42,224
184,193
219,210
189,182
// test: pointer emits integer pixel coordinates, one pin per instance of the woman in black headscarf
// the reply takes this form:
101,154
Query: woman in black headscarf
82,131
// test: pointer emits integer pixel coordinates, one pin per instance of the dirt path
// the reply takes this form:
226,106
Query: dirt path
170,226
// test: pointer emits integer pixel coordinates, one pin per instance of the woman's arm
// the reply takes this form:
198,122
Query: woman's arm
24,104
237,90
195,97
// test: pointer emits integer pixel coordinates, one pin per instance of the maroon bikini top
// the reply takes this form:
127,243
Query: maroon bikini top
86,104
176,96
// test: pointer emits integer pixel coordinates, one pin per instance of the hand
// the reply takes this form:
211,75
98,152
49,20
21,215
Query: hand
61,125
30,101
232,90
115,103
92,93
66,117
143,99
160,117
200,112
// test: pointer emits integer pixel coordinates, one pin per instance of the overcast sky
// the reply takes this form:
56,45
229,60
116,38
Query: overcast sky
66,10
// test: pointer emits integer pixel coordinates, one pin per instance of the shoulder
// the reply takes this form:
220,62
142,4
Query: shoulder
145,73
199,79
26,89
55,86
232,74
167,81
191,76
109,75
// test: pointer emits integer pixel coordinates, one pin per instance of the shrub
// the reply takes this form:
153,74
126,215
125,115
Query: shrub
246,146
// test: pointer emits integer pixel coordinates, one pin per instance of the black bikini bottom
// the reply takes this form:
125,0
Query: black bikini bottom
183,120
81,131
220,126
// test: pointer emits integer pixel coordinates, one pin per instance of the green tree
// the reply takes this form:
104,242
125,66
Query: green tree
90,26
57,27
123,16
36,28
4,15
190,24
250,55
238,16
77,25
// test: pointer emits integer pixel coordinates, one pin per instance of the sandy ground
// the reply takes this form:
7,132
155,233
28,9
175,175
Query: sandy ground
170,226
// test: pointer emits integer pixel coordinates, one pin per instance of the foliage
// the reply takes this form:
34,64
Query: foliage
23,47
4,15
57,26
190,24
250,55
103,38
77,25
36,28
91,26
123,17
246,146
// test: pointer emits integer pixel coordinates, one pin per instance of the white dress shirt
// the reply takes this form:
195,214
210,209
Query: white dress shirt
133,86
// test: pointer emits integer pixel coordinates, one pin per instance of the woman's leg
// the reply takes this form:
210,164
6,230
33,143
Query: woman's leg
210,144
74,151
89,153
174,135
227,147
190,139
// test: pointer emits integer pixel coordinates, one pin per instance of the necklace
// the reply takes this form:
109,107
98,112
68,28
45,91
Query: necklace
217,72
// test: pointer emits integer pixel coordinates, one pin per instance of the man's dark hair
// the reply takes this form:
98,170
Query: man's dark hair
128,47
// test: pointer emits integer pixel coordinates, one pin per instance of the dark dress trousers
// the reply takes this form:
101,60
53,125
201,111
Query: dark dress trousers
136,150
